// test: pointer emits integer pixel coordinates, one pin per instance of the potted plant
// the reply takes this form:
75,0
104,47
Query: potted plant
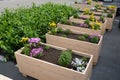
44,61
88,43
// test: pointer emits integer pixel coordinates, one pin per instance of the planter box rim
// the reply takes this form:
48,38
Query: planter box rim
18,52
80,40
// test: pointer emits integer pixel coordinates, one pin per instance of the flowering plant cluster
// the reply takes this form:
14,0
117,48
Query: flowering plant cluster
94,38
92,17
87,11
95,25
32,48
111,7
89,1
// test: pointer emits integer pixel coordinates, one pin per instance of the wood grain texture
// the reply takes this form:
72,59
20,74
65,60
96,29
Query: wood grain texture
43,70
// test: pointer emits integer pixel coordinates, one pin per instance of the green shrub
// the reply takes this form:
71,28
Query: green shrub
102,18
86,35
29,22
59,30
94,39
82,38
87,21
65,58
47,47
67,31
76,15
96,27
109,15
64,35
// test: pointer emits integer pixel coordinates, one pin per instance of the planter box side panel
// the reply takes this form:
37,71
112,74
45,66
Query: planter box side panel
43,70
109,23
77,45
79,29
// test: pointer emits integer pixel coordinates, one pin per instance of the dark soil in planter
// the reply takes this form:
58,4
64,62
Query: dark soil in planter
98,14
72,36
52,55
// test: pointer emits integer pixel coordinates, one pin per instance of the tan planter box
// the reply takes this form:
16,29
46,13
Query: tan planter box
81,29
103,27
109,23
43,70
82,6
82,46
2,77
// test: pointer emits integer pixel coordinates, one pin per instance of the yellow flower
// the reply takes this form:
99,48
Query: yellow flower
98,23
111,7
24,39
89,1
86,11
53,24
92,27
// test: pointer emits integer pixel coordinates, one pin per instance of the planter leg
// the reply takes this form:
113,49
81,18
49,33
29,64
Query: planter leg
24,75
94,63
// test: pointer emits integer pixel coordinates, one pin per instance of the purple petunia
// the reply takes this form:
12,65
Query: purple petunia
93,35
34,40
82,24
36,51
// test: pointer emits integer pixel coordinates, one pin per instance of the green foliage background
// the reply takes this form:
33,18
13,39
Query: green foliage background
29,22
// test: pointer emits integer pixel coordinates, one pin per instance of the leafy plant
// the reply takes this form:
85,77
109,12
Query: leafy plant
65,58
102,18
86,35
109,15
87,21
82,38
64,35
47,47
94,39
65,21
59,30
76,15
67,31
31,22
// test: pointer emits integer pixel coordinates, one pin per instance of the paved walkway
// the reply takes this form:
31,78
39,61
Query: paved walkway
108,67
19,3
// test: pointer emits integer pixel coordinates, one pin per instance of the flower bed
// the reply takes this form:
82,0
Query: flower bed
46,61
83,26
75,41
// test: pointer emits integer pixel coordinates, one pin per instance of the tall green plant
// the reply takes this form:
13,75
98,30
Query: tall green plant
29,22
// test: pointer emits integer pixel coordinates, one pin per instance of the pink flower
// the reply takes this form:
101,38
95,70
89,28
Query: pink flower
93,35
36,51
34,40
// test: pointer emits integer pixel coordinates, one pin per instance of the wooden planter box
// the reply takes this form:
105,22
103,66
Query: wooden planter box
81,29
82,6
101,31
82,46
43,70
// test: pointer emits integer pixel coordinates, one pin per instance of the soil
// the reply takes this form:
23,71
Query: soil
72,36
52,55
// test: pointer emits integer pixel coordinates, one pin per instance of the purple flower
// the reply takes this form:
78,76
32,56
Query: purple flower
85,25
93,35
85,2
34,40
81,24
36,51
